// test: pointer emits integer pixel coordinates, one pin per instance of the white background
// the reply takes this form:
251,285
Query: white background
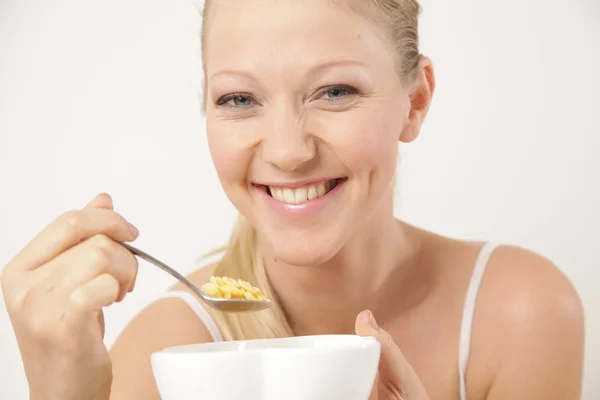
102,96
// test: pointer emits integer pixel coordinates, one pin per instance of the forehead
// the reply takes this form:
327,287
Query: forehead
242,33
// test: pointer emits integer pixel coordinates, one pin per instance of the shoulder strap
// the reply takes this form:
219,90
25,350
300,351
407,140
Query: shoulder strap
199,309
469,312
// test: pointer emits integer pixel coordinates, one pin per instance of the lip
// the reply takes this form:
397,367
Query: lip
306,209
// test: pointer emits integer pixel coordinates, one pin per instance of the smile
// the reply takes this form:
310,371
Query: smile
301,199
302,194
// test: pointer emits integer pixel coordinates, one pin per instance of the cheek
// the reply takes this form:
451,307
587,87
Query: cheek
364,140
230,153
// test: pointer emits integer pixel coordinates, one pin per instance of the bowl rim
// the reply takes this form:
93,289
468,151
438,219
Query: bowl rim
212,349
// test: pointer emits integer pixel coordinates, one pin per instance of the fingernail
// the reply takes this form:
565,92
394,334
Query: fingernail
372,321
134,230
365,316
368,318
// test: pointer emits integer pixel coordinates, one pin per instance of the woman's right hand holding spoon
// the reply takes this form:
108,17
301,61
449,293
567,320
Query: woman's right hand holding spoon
55,289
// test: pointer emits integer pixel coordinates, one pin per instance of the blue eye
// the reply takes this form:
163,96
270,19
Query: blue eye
235,100
339,92
335,93
241,101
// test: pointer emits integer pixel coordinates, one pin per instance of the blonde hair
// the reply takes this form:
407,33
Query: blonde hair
241,257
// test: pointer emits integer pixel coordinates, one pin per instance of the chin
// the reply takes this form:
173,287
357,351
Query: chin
304,253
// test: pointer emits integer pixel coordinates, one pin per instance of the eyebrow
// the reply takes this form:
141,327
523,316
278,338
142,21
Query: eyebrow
314,70
232,72
320,68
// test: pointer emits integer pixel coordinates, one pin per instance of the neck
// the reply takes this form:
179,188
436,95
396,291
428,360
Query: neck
367,273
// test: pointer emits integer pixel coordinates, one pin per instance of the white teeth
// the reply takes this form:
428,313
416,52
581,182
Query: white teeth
289,196
302,194
312,192
321,190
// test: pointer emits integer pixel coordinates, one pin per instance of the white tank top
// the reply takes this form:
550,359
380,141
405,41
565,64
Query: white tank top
464,346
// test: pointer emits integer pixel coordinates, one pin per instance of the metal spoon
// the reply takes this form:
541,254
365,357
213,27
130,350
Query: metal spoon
221,304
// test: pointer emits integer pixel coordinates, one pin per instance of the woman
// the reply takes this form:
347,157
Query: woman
305,103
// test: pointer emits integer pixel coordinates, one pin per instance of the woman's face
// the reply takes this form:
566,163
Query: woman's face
304,113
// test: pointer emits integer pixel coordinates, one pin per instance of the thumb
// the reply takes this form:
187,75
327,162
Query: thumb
102,200
395,372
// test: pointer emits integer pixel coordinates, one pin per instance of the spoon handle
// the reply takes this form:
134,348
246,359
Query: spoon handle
164,267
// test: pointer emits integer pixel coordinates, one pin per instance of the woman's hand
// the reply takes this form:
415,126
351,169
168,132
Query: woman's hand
396,379
54,291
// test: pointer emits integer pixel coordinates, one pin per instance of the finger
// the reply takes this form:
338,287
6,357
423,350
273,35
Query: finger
392,358
132,284
394,368
101,291
101,322
70,229
93,257
102,200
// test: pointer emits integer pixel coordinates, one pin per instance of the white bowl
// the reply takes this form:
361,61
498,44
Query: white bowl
322,367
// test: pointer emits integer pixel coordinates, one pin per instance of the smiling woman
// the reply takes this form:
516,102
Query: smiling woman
306,103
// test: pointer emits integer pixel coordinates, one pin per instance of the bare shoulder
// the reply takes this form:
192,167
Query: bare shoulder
532,289
531,319
163,323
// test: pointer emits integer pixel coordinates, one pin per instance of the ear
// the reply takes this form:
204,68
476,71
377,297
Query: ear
420,100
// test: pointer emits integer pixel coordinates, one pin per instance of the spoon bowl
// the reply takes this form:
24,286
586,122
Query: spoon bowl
218,303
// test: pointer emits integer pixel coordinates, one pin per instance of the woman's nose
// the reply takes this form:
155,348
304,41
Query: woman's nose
288,145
